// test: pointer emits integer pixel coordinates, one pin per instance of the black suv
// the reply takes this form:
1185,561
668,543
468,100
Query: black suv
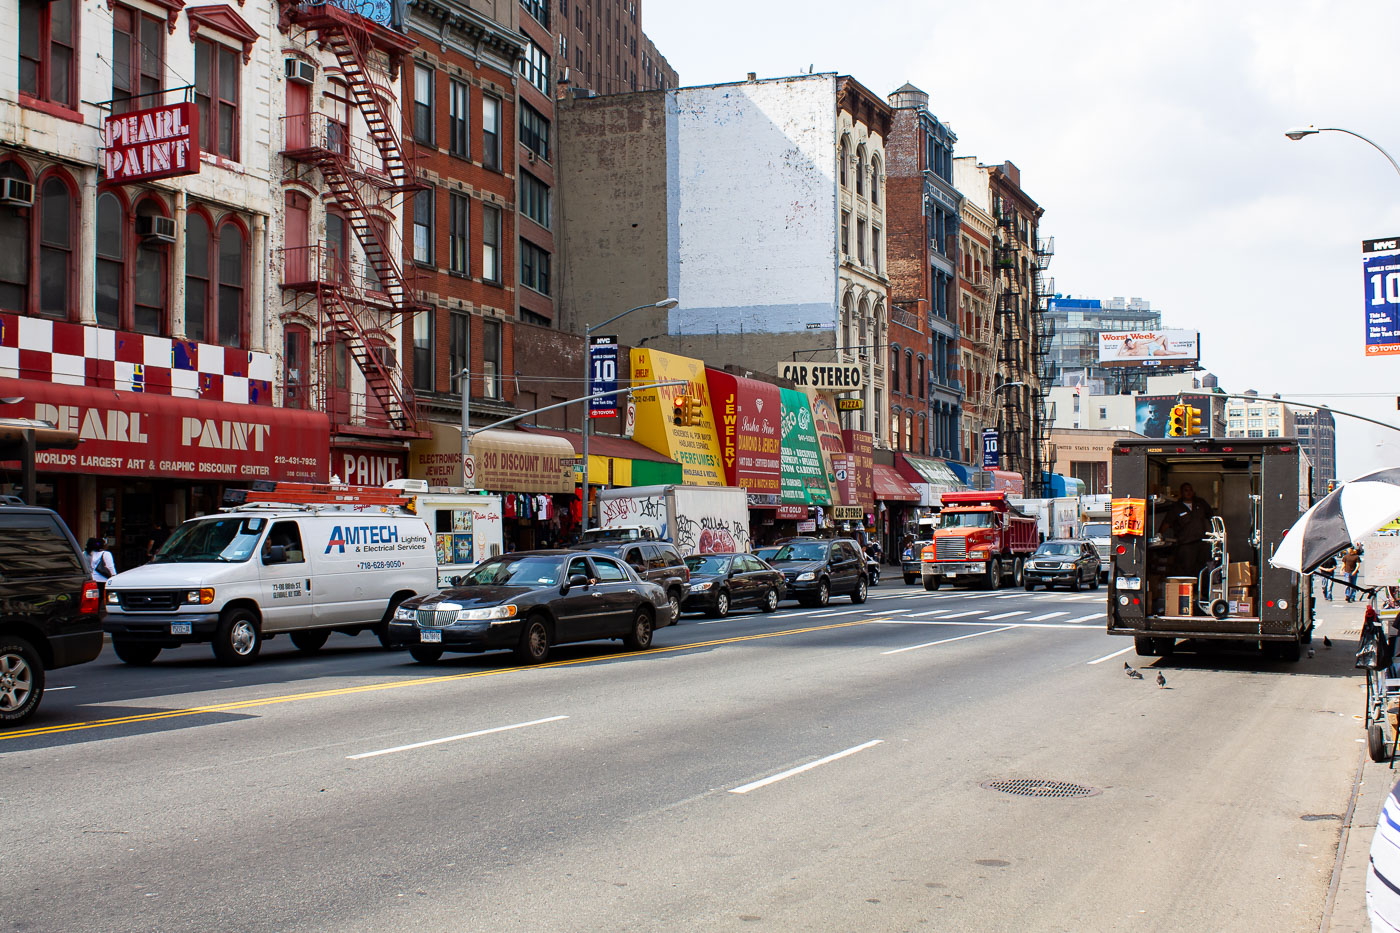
657,562
49,606
816,570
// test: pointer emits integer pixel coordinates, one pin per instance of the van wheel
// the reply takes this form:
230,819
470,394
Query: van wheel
311,640
237,640
21,679
425,654
534,642
770,601
638,638
862,590
135,653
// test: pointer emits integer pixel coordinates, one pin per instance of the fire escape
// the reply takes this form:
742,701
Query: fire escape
356,304
1044,332
1013,350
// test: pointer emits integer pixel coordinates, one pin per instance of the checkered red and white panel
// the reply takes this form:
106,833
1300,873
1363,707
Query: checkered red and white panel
81,355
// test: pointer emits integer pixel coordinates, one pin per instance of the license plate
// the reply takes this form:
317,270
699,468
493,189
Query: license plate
181,628
427,636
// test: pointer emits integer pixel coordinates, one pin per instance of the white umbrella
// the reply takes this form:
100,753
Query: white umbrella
1345,516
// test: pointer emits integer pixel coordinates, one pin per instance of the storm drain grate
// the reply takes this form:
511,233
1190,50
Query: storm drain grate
1030,787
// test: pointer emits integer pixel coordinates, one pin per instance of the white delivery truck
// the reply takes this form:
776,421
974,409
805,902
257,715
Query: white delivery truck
696,519
466,526
329,562
1096,522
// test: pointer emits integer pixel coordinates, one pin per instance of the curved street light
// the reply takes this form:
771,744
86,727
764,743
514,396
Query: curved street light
1298,132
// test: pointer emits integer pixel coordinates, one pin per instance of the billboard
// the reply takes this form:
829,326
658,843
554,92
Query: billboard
1149,347
1380,267
804,473
748,415
602,376
695,448
1154,411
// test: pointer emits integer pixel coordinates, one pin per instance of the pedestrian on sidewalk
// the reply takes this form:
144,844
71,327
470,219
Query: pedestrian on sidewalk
103,567
1351,561
1329,567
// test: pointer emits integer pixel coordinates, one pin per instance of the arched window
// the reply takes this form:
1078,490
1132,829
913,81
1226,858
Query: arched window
111,259
923,433
296,358
875,179
908,372
57,227
862,334
149,280
894,370
197,276
14,247
860,170
233,264
848,313
919,387
844,161
894,427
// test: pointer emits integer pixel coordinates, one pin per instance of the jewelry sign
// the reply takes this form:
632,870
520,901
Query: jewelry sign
160,142
1380,267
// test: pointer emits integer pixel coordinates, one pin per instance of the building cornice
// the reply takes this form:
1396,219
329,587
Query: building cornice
472,26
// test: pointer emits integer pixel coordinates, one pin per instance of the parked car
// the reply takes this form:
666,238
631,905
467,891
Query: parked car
911,561
529,601
658,562
50,609
816,569
1069,561
720,582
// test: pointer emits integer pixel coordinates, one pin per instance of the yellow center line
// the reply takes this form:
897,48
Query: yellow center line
395,684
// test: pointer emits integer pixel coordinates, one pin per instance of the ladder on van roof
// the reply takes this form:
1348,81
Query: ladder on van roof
309,495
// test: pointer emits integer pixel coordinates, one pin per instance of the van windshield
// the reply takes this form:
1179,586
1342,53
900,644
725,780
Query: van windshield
216,540
1097,530
964,519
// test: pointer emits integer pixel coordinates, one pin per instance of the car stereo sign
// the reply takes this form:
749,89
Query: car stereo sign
1380,266
159,142
823,377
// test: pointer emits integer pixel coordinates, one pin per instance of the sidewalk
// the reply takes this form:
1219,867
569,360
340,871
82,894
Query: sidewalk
1341,621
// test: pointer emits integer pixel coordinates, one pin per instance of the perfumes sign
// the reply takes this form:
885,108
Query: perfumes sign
160,142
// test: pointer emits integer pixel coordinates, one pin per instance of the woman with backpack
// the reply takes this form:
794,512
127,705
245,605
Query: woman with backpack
103,567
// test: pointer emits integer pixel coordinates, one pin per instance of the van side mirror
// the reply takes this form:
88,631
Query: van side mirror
276,554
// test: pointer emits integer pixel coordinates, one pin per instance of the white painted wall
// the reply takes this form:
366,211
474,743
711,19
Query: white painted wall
752,205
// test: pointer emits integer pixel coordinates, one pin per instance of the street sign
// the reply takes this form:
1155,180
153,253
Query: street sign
826,377
631,417
602,376
850,404
469,472
847,513
991,449
1380,267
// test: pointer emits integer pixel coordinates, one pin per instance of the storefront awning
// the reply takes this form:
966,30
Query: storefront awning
891,487
932,477
618,461
505,461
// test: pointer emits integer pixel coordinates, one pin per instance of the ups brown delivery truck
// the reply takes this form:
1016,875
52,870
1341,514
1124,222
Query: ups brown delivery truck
1195,521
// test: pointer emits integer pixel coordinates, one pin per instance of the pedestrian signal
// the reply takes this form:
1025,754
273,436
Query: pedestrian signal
694,412
1176,424
680,411
1193,421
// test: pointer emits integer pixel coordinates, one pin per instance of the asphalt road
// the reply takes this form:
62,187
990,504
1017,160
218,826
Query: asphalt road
806,770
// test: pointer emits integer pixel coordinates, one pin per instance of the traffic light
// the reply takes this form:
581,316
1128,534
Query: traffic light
1176,425
694,412
1193,421
680,411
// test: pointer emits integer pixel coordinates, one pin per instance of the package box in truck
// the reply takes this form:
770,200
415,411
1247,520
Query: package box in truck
696,519
981,538
1252,484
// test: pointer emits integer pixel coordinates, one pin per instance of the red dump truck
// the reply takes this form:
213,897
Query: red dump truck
980,537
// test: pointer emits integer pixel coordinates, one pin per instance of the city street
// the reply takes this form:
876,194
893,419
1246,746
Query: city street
810,769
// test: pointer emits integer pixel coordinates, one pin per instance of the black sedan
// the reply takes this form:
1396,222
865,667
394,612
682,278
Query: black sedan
720,582
1072,562
529,601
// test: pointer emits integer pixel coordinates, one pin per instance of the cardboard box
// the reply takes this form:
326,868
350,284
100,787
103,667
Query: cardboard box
1181,596
1240,573
1242,601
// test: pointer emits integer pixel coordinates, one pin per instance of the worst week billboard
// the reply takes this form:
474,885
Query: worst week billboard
1149,347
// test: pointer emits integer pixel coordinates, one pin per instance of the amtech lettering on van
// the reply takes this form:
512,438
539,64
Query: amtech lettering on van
359,535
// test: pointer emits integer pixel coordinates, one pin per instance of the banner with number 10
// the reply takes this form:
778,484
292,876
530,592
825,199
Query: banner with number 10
1380,264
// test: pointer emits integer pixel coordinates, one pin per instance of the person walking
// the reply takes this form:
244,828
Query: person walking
103,567
1351,561
1329,567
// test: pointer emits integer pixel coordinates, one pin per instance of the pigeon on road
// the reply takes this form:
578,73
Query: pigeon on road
1135,675
1161,681
1326,642
1127,666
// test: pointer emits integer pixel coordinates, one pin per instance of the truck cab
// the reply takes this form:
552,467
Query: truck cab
979,537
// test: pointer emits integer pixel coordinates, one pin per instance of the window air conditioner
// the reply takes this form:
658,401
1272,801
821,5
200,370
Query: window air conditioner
159,229
302,72
16,191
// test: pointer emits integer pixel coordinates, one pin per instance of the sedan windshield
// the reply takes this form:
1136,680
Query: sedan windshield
515,571
216,540
1057,549
707,563
806,550
964,519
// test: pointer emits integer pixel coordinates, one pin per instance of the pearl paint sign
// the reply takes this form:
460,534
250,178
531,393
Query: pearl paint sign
160,142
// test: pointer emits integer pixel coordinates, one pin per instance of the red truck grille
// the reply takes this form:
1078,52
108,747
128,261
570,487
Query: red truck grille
951,548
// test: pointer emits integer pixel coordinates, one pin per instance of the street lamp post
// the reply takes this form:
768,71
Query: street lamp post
588,330
1298,132
1000,423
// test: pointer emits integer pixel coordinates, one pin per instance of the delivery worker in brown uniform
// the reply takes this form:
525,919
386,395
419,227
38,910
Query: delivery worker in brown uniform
1187,521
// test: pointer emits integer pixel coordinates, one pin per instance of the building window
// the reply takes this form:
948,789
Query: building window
908,372
534,199
457,348
198,277
845,233
860,242
534,131
56,229
874,179
458,111
491,359
490,243
423,225
534,267
111,260
423,351
922,380
148,312
458,233
534,65
894,367
233,266
539,9
875,248
844,161
296,357
860,170
423,87
138,59
48,35
1076,403
215,265
1103,414
491,133
217,72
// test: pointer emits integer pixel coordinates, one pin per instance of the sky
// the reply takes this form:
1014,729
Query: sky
1152,135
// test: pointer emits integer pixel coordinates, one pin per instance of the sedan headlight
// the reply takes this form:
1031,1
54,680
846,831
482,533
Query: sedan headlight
405,614
701,587
490,614
804,577
200,597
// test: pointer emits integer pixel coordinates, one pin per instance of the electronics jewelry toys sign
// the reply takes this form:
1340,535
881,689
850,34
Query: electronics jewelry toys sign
1380,267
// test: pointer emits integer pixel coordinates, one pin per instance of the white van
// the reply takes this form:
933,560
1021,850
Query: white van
260,570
